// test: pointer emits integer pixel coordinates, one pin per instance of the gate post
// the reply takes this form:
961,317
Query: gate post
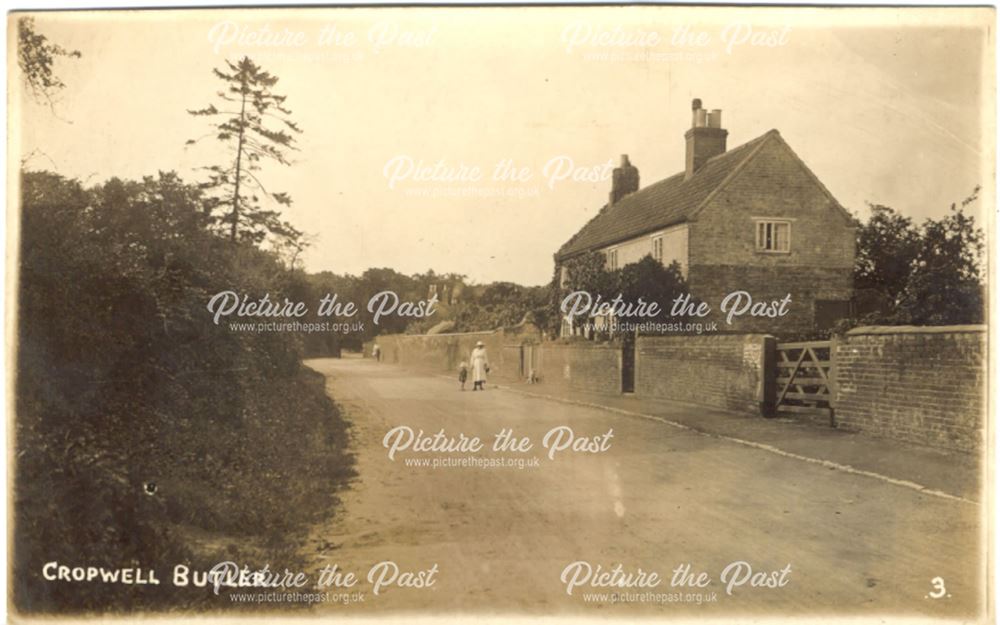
768,372
831,377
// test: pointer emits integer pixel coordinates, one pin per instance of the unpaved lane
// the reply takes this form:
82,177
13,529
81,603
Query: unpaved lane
658,498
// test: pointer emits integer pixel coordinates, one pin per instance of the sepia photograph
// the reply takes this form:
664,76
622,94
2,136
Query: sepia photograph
627,312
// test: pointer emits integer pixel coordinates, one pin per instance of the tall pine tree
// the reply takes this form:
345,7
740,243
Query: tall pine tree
241,125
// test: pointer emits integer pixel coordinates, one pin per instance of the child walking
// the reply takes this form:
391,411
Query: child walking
463,373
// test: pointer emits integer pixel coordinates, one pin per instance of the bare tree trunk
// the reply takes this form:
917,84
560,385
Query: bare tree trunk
239,159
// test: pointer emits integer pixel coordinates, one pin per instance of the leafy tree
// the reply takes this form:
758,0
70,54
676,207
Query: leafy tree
647,279
650,281
36,56
586,272
502,304
242,125
945,284
887,249
931,274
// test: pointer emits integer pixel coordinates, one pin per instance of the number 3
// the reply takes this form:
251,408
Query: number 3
939,590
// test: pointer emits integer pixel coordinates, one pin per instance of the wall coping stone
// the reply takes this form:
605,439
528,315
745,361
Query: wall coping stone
582,344
718,336
431,336
880,330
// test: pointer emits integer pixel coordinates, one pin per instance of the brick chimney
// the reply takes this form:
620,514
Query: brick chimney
624,180
705,139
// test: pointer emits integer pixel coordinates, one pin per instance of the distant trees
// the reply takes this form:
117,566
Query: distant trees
929,274
358,289
255,126
501,304
469,307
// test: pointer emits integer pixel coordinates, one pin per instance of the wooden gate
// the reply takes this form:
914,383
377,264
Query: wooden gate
527,366
804,379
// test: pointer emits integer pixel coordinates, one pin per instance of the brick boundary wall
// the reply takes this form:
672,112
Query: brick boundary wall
442,353
580,365
722,371
924,385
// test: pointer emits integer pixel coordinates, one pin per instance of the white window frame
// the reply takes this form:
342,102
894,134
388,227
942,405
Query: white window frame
612,256
760,244
657,245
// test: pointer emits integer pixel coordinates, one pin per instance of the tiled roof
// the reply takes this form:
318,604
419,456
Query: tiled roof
664,203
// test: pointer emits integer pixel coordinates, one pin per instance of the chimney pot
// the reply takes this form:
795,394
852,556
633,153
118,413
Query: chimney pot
695,109
705,139
624,180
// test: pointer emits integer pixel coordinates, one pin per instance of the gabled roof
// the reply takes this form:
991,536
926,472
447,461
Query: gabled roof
665,203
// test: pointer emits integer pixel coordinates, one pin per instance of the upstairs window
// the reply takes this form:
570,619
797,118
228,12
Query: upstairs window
658,249
612,259
774,236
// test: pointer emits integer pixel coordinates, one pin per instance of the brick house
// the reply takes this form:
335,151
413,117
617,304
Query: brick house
753,218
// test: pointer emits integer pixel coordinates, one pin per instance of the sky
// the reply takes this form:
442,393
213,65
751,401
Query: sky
478,140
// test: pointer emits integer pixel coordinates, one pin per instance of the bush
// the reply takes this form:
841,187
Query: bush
138,421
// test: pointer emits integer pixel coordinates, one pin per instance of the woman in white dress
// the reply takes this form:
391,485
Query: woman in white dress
480,366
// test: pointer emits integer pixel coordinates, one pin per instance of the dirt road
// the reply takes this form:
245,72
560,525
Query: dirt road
657,498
